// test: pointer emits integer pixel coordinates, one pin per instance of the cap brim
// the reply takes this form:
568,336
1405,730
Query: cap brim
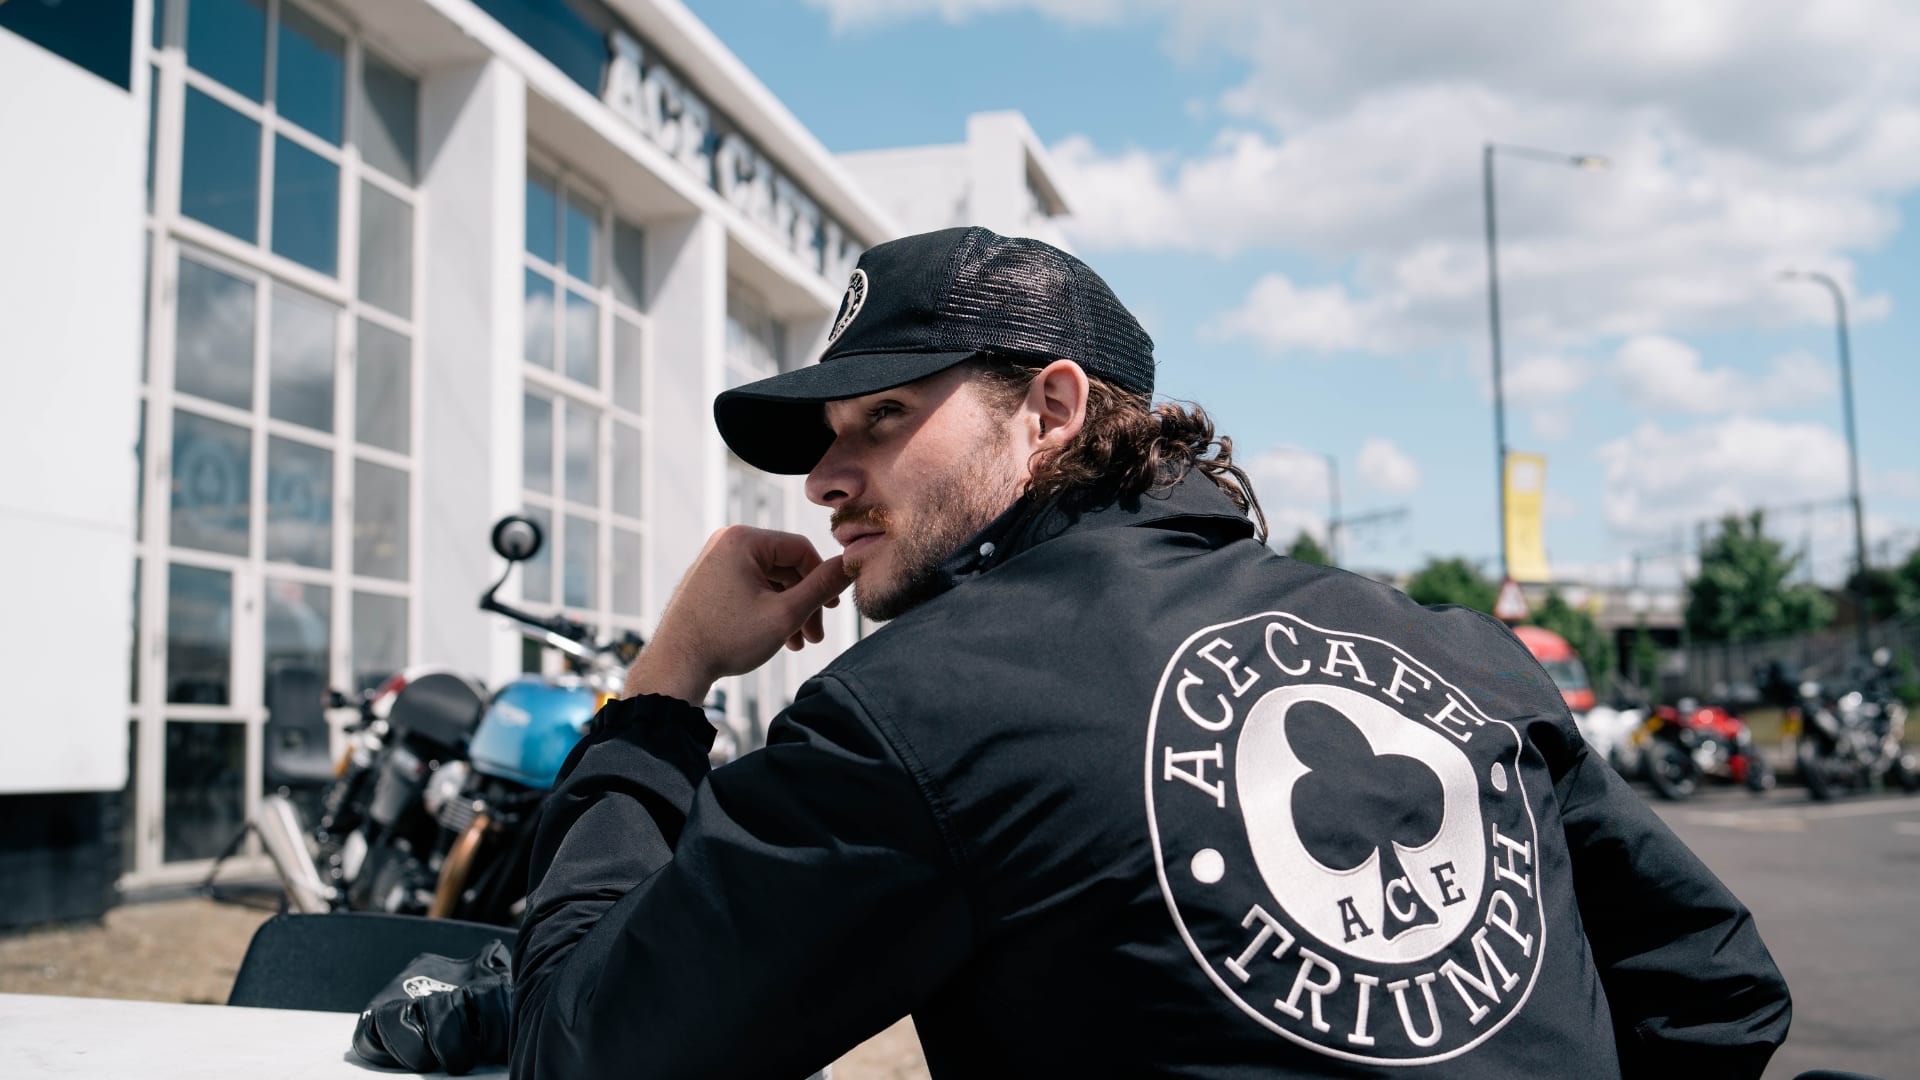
776,424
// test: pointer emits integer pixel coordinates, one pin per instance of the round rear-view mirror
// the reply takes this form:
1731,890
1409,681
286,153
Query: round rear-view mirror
516,539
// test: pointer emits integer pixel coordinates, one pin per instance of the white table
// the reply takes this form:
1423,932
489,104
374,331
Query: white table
96,1037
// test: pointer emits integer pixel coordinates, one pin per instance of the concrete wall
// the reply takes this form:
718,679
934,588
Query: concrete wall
473,147
71,193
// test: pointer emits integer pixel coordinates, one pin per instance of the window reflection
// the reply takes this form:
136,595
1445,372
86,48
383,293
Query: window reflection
310,73
542,216
386,250
626,572
213,345
298,627
301,363
380,521
583,339
629,264
536,454
199,635
583,240
227,39
299,503
379,638
579,564
220,167
205,784
212,468
306,206
626,470
583,458
389,118
383,391
537,321
627,390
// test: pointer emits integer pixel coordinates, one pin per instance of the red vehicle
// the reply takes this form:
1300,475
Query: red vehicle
1716,742
1562,664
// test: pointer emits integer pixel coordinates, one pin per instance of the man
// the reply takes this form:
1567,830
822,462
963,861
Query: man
1118,790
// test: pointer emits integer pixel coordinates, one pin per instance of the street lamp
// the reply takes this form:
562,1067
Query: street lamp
1853,447
1589,162
1333,499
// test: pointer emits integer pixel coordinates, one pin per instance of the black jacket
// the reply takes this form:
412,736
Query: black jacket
1136,796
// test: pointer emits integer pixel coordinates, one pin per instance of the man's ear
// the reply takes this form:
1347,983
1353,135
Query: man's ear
1056,405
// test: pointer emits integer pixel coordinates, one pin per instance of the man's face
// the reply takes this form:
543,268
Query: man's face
912,473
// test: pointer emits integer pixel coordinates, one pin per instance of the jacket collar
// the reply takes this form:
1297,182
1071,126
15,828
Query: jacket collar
1193,504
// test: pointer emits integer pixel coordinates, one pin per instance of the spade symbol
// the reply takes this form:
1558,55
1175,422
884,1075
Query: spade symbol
1354,803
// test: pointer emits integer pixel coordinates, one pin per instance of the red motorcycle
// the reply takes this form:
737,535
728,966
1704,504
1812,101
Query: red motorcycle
1694,741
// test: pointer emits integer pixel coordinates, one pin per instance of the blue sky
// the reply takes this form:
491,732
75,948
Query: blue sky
1289,197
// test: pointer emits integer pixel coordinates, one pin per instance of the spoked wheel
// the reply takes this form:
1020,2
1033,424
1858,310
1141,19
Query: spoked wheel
1818,769
1673,771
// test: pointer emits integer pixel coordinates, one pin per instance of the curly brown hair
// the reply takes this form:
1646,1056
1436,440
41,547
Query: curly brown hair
1127,446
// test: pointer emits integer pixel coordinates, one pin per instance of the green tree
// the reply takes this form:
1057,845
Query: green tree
1743,592
1453,581
1594,645
1306,549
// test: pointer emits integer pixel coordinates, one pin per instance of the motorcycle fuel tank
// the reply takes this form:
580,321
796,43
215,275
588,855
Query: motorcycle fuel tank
530,728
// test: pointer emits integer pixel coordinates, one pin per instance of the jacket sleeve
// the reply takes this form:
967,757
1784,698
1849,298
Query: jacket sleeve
756,921
1692,988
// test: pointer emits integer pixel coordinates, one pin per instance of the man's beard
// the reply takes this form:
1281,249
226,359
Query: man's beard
953,508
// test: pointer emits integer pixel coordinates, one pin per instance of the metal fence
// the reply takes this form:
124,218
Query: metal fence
1722,668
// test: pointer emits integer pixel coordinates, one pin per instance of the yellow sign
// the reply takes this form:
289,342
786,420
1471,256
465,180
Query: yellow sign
1526,540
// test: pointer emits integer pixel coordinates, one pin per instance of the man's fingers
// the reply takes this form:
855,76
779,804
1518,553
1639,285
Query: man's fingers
825,582
782,549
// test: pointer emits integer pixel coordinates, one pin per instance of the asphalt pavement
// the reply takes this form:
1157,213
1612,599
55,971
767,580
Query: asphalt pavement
1832,887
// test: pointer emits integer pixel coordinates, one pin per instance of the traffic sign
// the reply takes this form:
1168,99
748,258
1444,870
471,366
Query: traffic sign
1512,603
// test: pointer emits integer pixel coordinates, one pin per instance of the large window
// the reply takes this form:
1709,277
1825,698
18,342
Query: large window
279,478
584,406
756,349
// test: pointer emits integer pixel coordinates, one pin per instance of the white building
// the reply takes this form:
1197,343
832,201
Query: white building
1000,177
298,297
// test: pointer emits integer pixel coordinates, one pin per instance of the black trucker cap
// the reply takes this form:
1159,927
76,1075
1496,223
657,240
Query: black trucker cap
920,305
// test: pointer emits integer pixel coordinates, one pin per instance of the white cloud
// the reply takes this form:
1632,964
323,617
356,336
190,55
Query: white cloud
1292,486
1280,316
1551,425
1745,137
860,14
1660,373
1659,480
1384,467
1543,379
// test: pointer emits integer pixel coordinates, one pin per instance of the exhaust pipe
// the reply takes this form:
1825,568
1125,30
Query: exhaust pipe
280,832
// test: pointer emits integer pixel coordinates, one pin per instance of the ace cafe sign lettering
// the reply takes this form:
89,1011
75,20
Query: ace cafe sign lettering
678,121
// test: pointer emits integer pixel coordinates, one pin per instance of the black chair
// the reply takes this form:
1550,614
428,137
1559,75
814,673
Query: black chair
297,754
337,962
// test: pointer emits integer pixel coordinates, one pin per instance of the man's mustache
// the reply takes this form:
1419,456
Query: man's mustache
871,516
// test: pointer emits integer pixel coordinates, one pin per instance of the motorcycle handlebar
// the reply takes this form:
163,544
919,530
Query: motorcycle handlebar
568,635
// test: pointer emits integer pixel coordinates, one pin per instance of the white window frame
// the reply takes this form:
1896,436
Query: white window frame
172,236
555,385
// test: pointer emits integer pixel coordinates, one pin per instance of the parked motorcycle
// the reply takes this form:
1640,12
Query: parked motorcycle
432,806
1683,744
1855,740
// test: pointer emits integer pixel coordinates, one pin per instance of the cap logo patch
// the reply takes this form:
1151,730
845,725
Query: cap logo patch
850,304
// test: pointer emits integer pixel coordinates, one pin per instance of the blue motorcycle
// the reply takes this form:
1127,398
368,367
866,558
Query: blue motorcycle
432,808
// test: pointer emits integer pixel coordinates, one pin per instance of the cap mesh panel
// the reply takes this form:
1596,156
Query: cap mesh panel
1019,297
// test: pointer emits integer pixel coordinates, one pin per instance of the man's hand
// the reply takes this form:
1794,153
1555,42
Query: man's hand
749,592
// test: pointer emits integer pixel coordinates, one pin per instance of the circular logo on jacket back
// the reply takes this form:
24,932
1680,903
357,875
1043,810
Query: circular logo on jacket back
1343,840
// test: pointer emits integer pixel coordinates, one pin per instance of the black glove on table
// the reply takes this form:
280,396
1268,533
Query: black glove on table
441,1014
